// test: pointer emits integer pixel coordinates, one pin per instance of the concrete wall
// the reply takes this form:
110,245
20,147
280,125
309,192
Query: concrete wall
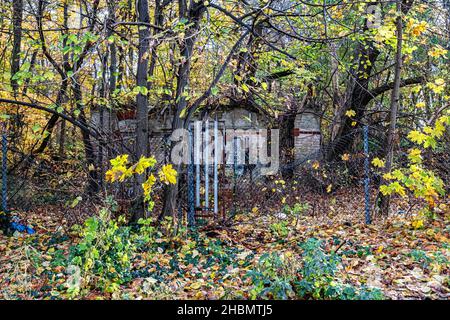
307,139
307,136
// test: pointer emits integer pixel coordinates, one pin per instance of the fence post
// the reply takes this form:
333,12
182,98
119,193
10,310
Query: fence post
206,157
4,171
235,160
216,175
191,204
197,160
367,176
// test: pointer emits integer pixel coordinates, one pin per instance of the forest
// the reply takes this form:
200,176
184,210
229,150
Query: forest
225,150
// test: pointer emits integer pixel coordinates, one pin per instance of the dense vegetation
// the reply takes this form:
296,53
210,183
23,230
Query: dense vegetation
86,214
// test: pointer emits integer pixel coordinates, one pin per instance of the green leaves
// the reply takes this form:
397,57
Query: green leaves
140,90
110,268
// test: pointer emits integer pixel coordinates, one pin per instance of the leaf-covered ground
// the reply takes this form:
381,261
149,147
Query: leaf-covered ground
399,255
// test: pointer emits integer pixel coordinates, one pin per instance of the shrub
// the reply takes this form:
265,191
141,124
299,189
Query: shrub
281,277
272,277
318,279
102,257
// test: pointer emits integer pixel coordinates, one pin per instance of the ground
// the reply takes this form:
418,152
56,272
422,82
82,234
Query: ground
406,256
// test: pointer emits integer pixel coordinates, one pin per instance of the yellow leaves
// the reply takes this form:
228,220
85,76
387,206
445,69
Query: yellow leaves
437,86
394,187
416,89
420,105
119,160
117,173
195,285
168,175
422,182
415,155
119,170
183,113
421,8
398,188
427,138
148,184
143,164
388,176
337,13
439,82
376,162
416,28
316,165
245,88
417,224
379,249
345,157
329,188
417,136
437,51
420,28
385,33
350,113
439,128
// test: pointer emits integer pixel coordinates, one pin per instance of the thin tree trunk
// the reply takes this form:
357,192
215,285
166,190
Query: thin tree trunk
141,147
93,185
62,139
395,97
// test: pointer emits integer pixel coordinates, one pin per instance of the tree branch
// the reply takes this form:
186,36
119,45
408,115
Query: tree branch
49,110
372,94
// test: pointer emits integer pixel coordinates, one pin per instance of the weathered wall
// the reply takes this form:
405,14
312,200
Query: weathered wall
307,136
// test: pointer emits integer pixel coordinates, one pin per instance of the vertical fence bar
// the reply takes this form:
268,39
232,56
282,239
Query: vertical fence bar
191,201
216,161
235,160
4,171
206,164
197,158
367,176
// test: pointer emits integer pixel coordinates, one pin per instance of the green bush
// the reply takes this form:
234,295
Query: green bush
102,257
272,277
318,279
280,229
279,277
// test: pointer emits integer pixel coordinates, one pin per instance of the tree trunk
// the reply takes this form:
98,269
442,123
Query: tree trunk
193,14
17,39
358,93
93,186
395,97
141,147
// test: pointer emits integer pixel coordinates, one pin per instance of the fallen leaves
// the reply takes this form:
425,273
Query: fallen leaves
402,256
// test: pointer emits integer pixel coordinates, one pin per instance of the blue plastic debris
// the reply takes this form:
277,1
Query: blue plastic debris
22,228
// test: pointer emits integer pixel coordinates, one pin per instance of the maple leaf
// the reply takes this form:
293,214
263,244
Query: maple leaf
168,174
417,136
376,162
350,113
